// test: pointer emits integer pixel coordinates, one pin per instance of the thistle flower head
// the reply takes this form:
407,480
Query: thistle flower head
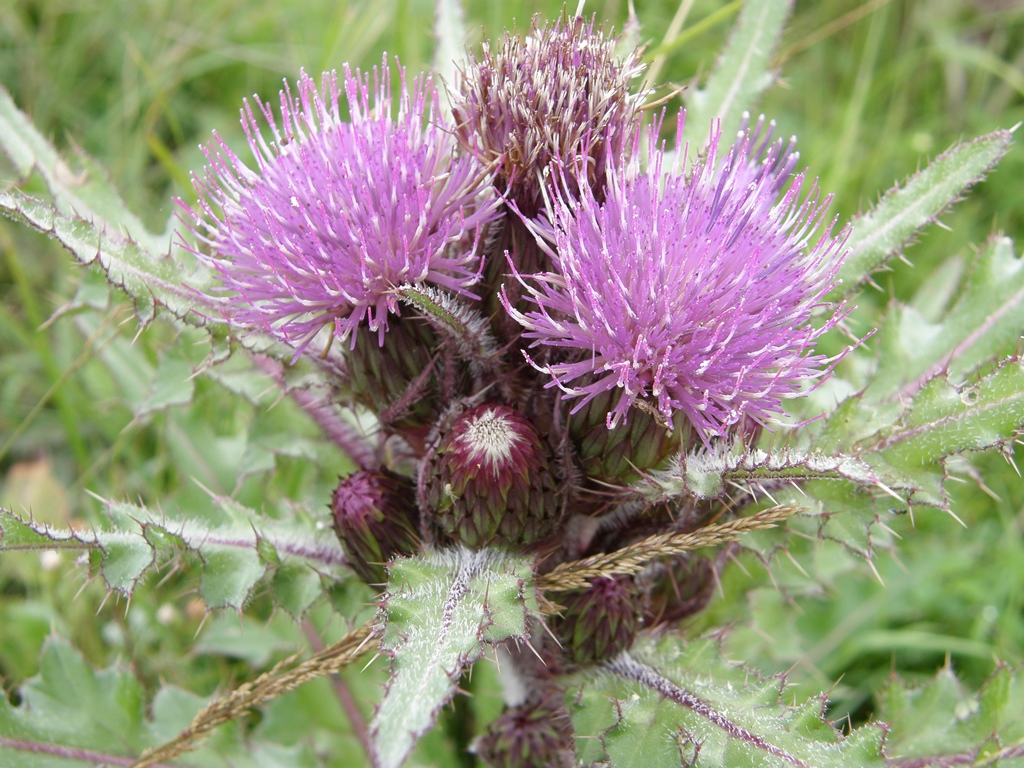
559,94
693,293
338,213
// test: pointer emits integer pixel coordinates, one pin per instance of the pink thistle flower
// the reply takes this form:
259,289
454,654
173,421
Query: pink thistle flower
337,214
693,293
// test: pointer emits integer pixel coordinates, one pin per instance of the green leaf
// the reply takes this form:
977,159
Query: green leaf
230,572
985,322
740,75
906,443
255,641
704,475
236,550
295,586
680,703
903,211
838,510
72,716
154,279
440,610
172,383
147,278
84,190
68,711
944,419
942,720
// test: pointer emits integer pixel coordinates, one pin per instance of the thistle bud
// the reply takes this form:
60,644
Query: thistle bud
376,520
529,108
621,453
391,376
490,480
601,622
677,588
536,733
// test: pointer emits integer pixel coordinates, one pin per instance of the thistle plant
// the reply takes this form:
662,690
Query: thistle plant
578,347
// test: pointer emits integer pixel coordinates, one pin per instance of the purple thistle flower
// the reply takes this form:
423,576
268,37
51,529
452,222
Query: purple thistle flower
337,214
693,293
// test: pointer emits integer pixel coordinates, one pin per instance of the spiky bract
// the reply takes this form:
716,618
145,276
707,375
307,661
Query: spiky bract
600,622
535,733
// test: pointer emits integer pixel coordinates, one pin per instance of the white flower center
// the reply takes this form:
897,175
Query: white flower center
492,435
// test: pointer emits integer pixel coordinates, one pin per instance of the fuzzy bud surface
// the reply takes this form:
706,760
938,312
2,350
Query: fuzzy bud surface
536,733
601,622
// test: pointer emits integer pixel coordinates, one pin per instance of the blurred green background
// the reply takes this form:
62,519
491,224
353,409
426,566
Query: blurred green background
872,90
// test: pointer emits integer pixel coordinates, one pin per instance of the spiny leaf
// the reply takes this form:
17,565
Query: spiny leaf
840,497
72,716
681,703
985,322
903,211
704,474
841,511
173,383
235,553
84,190
942,724
740,75
944,419
152,278
440,610
147,278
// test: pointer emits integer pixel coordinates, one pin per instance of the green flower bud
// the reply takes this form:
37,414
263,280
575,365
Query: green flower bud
490,480
622,453
677,588
536,733
601,622
376,519
390,376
